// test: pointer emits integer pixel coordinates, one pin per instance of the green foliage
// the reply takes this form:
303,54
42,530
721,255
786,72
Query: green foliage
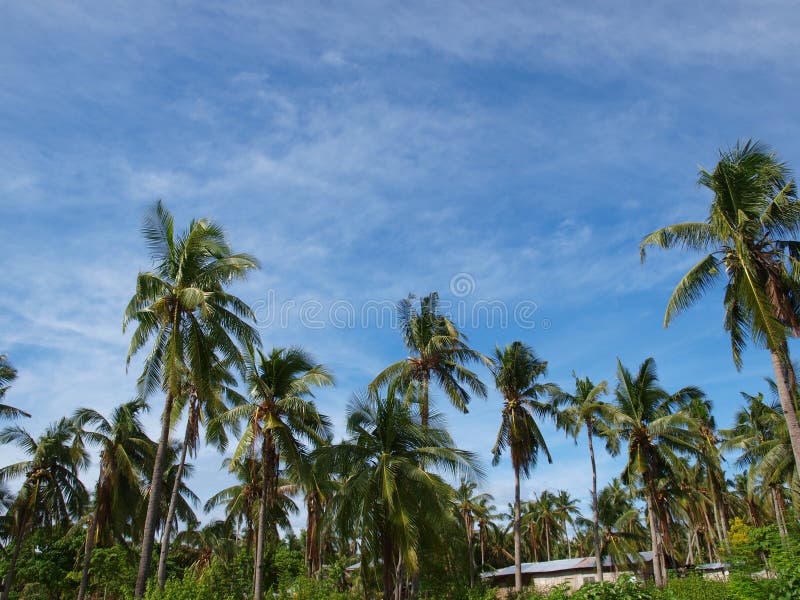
111,571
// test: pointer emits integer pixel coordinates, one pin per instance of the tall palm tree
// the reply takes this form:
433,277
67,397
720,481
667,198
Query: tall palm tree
389,487
469,506
544,512
125,452
753,218
656,429
484,513
201,410
318,486
699,410
8,374
567,511
622,534
51,493
183,307
281,418
585,409
516,369
439,352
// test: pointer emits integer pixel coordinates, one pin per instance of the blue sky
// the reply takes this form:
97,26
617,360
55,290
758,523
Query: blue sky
369,150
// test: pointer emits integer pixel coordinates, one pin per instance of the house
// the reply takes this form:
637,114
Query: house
572,571
715,570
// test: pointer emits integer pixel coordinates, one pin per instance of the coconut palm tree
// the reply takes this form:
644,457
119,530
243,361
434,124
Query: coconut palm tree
215,539
484,513
656,429
469,505
125,452
567,511
389,485
8,374
699,409
622,534
242,500
761,436
280,418
439,352
51,494
183,307
200,411
516,369
585,409
748,235
317,486
544,513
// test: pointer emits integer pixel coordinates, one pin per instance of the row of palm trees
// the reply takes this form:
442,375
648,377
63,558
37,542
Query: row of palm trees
383,487
344,483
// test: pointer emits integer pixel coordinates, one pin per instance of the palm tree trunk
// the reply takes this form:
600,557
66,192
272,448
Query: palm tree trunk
468,529
424,411
713,552
13,564
785,380
91,534
154,502
483,545
387,555
547,539
658,573
777,507
598,558
173,503
313,548
267,473
517,549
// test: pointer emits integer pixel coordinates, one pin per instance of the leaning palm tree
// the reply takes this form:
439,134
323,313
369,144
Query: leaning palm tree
125,450
281,418
516,369
389,488
200,411
51,494
8,374
586,409
656,429
183,307
439,352
753,218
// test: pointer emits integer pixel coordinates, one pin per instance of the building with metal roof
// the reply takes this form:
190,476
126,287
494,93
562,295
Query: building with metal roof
572,571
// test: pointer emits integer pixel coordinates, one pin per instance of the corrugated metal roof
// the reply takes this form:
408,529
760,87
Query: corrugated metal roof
564,564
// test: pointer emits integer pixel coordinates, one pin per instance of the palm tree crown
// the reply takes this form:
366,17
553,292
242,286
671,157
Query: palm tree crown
439,352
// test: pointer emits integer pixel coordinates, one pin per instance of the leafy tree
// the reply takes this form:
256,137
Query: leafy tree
748,233
183,307
516,369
